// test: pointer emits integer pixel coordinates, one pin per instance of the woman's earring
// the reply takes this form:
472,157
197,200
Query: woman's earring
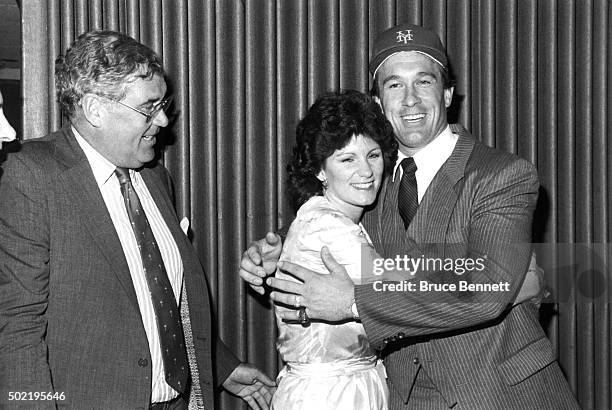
324,183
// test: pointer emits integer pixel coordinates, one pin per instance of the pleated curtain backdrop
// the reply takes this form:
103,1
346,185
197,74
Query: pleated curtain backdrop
532,78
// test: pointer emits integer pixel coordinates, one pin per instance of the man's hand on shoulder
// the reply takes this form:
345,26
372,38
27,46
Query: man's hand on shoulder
259,261
325,297
534,285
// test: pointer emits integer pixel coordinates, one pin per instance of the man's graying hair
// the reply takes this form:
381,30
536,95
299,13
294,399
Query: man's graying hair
102,63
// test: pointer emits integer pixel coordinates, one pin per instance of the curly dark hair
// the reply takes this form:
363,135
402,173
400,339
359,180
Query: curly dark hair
329,125
103,63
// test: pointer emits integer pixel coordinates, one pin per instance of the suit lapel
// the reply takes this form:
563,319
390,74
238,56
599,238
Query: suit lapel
82,191
435,210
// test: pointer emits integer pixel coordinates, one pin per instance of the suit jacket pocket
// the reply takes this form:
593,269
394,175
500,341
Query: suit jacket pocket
527,361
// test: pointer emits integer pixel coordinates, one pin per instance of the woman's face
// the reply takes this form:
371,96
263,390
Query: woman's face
353,174
7,133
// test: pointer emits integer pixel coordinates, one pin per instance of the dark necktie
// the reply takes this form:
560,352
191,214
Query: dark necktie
167,314
408,196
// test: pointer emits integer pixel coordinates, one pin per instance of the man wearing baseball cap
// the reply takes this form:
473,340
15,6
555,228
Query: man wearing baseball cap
455,339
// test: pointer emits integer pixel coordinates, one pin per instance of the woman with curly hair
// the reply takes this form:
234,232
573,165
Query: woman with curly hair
344,147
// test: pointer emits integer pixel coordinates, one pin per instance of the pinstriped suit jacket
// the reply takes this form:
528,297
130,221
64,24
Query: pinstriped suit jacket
477,350
69,318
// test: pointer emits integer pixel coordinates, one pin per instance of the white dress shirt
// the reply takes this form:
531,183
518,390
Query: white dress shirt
104,173
429,160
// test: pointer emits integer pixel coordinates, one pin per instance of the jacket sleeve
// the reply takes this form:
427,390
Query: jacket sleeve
225,362
24,281
497,236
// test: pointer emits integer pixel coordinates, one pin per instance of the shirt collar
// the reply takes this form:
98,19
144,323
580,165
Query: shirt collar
102,168
431,157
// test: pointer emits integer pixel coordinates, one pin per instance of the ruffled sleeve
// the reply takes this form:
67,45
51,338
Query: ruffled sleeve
319,226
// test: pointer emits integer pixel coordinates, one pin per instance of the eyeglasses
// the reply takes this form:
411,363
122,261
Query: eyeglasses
150,116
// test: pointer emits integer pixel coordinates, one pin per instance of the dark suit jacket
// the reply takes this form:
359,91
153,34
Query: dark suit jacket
69,318
477,350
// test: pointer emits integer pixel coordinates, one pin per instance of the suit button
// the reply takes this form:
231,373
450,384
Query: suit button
143,362
401,335
385,341
393,338
416,360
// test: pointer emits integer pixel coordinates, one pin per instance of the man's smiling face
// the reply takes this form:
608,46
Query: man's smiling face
413,98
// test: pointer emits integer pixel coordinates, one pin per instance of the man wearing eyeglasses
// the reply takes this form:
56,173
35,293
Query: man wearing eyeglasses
103,302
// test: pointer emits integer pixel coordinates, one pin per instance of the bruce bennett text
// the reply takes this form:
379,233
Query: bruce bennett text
426,286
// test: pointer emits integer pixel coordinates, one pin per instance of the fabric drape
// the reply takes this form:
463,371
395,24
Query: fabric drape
532,79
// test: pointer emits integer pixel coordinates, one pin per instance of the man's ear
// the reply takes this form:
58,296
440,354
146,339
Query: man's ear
448,96
376,98
93,110
377,101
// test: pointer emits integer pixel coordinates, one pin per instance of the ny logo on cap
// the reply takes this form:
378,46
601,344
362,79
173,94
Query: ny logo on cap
404,35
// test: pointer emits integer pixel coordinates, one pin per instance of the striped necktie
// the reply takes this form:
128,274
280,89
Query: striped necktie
167,314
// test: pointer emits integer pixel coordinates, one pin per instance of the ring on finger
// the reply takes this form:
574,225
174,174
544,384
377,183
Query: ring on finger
303,317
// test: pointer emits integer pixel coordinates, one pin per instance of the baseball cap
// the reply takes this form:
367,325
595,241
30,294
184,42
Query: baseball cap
407,37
